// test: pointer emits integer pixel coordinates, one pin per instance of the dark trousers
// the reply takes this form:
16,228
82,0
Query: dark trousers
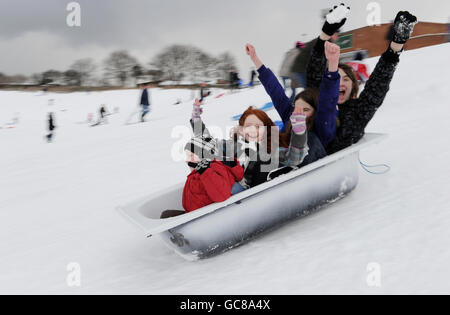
171,213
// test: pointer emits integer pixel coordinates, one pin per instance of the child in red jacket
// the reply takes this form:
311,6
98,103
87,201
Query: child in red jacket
210,180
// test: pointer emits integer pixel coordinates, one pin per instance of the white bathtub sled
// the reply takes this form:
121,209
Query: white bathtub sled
222,226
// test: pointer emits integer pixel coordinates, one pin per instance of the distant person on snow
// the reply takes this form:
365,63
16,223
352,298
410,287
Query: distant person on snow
103,114
204,92
234,80
253,74
145,103
51,127
353,113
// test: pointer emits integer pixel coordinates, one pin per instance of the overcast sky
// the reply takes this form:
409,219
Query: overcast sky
34,35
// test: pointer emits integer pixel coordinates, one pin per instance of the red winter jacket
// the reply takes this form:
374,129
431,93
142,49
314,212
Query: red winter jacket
214,185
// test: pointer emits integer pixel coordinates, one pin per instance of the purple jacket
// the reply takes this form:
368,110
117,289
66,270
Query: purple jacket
326,113
285,108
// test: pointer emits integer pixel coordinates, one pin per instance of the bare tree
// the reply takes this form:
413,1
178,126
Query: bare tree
137,72
36,78
51,76
178,62
84,68
171,62
225,62
119,66
156,75
10,79
72,77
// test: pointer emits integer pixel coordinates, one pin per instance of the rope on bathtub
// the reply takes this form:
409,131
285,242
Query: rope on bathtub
366,167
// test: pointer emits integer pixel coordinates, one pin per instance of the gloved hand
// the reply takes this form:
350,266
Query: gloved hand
203,166
231,164
197,109
335,19
403,27
298,122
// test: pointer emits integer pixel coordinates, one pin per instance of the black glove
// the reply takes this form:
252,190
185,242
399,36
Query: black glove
203,166
403,27
335,19
230,163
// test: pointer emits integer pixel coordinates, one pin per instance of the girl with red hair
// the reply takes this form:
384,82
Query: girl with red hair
257,144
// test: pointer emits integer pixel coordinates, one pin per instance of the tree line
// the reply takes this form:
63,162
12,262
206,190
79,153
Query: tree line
174,63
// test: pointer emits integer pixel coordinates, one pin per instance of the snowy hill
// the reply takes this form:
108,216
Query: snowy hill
57,200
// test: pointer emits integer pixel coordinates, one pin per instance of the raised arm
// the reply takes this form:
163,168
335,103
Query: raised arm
377,86
198,127
272,86
335,19
325,121
298,146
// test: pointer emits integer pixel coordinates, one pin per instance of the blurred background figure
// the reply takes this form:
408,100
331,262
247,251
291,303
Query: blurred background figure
298,79
253,74
204,91
51,127
145,100
360,68
286,66
103,114
234,79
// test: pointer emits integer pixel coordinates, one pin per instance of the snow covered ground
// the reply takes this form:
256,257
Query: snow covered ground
57,201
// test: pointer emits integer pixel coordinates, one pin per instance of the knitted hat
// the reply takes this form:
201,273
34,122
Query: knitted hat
203,147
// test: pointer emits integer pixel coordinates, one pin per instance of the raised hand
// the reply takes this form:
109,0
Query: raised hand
251,52
332,53
403,27
197,109
298,121
335,19
203,166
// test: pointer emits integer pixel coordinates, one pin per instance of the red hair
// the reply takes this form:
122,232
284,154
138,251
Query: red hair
284,138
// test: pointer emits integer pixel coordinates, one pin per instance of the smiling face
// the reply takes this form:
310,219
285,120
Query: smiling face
253,129
345,87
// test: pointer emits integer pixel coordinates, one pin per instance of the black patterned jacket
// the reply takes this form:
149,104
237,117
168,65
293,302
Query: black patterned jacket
355,114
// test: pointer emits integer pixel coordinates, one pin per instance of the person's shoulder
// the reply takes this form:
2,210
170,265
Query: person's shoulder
216,164
311,43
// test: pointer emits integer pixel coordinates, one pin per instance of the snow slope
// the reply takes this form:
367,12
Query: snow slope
57,200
